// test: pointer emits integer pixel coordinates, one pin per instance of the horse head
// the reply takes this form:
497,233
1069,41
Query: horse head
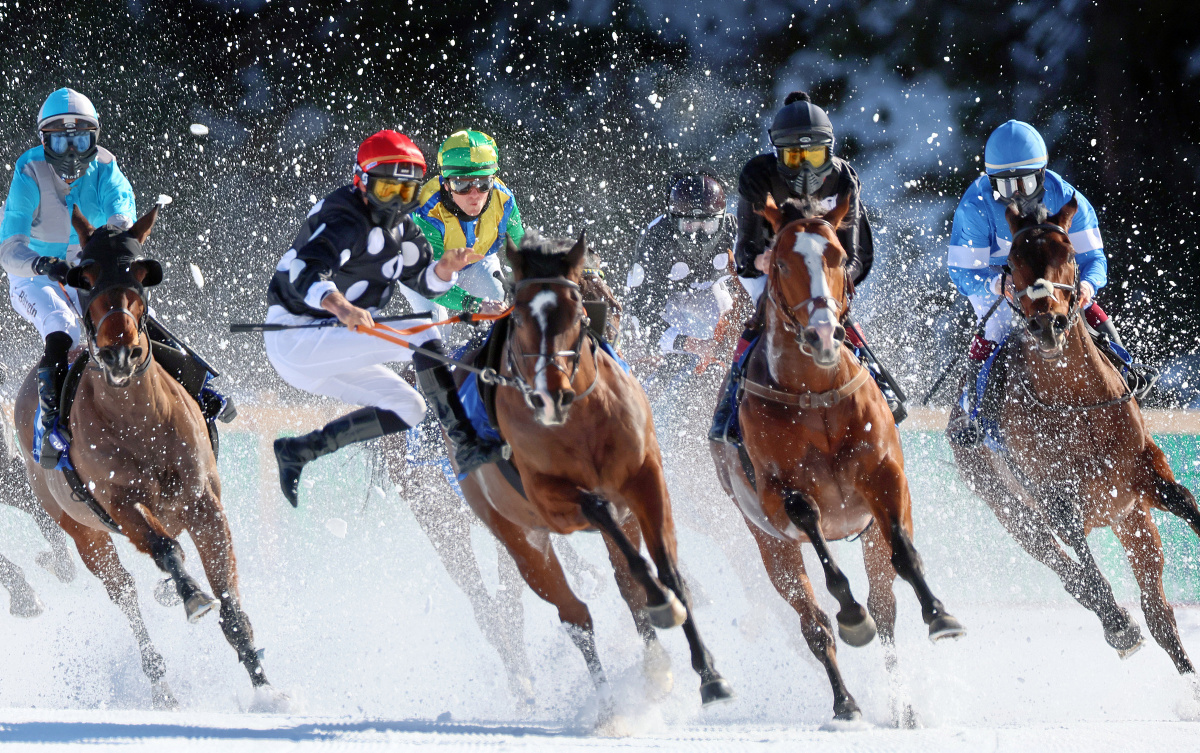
547,335
1042,264
807,279
595,289
112,276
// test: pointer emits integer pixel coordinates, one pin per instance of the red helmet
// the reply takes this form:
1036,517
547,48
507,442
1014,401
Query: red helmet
388,172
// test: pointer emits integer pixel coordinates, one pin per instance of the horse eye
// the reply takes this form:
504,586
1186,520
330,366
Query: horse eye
784,269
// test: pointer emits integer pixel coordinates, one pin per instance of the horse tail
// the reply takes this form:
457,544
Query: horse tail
1172,496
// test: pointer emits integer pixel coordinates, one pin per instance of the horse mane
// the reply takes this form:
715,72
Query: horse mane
1030,209
800,208
545,257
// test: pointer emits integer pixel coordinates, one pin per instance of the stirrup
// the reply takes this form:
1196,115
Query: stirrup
53,445
214,405
471,455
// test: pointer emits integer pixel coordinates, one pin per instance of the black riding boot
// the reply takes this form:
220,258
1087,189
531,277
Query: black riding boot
293,453
723,429
52,369
470,450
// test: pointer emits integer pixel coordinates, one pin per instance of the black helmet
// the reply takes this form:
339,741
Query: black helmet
803,139
696,194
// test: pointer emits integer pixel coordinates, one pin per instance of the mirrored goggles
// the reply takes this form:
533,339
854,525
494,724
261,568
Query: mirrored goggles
692,225
59,141
465,184
793,156
1008,187
387,189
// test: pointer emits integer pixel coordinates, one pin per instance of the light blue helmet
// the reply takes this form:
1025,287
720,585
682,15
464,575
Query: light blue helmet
71,107
1014,148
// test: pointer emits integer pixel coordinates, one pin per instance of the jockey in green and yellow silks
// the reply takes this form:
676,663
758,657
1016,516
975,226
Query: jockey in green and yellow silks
467,206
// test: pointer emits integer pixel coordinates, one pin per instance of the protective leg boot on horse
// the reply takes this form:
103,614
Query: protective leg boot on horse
50,374
437,385
293,453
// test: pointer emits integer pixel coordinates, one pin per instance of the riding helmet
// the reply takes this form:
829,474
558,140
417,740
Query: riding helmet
69,128
696,194
800,124
388,171
1016,150
468,153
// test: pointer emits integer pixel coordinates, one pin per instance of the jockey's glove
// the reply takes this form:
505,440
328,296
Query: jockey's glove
54,268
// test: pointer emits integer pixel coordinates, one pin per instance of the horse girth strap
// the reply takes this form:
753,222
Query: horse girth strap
827,399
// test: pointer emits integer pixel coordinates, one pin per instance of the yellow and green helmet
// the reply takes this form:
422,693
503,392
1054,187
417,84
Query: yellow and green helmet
468,153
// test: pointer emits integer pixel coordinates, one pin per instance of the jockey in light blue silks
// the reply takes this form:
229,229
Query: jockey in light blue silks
1015,160
38,245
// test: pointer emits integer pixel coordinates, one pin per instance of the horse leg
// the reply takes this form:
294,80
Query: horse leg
58,560
1172,496
647,491
886,491
149,535
210,532
1093,589
855,626
100,557
1139,536
881,603
784,561
23,601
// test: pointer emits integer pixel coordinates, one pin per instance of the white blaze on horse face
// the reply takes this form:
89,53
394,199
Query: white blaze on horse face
540,307
811,247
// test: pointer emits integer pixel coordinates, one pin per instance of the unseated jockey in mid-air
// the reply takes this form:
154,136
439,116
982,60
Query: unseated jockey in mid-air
356,245
677,282
37,246
1015,160
802,165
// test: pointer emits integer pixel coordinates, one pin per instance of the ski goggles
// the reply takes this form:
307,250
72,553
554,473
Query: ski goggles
693,225
387,189
60,141
465,184
793,156
1008,187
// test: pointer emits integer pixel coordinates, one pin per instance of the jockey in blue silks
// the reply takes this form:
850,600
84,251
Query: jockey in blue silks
38,245
1015,160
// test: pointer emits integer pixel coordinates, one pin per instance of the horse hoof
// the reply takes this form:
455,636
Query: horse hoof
1127,640
848,720
166,594
60,567
857,633
199,605
669,614
945,626
268,700
162,697
25,603
1128,652
717,690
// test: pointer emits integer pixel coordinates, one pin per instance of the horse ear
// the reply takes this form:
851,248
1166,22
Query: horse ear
1013,215
83,228
148,272
770,212
578,251
1066,214
837,214
516,259
141,229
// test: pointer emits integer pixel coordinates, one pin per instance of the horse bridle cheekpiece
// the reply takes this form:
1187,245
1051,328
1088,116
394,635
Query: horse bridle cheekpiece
113,254
792,322
1042,288
516,356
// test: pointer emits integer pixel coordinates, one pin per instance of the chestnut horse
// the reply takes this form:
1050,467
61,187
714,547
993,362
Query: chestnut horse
826,456
583,442
1077,455
141,447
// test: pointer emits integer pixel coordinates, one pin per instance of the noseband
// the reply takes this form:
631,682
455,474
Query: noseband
791,321
515,356
93,330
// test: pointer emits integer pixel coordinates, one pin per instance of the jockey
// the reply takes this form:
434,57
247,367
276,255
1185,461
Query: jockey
803,164
467,206
677,290
1015,160
356,245
37,246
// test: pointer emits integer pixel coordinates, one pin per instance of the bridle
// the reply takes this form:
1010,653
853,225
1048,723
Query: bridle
1044,288
791,321
93,330
516,357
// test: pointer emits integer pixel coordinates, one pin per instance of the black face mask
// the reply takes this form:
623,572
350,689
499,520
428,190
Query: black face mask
71,162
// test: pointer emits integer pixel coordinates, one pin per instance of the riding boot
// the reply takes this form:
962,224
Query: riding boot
49,385
293,453
470,450
724,429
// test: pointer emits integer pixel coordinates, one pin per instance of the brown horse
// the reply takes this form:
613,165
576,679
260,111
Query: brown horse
1077,453
141,447
826,456
584,445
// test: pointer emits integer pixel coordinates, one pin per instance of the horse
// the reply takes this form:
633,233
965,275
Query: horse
1076,452
587,458
141,450
824,455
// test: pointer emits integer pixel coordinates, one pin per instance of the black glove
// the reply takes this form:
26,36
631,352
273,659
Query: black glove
54,268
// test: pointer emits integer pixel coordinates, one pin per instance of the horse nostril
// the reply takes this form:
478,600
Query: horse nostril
839,333
1060,322
136,354
566,399
538,402
1035,326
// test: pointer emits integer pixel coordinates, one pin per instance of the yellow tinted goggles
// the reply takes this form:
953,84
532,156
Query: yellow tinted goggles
793,156
387,189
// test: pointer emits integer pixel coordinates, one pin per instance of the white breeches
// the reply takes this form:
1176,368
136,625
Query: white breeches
43,304
1001,322
349,366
